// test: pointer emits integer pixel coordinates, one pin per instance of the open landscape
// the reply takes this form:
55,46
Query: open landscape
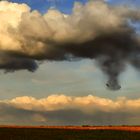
69,69
70,132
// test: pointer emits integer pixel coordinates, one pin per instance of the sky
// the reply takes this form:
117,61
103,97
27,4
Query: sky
68,92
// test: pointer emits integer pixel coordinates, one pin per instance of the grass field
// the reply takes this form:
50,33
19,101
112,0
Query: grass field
69,133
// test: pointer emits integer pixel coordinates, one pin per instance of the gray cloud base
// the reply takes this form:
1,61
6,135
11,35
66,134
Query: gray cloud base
95,30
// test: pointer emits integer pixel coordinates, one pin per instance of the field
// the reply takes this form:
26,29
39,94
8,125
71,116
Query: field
69,133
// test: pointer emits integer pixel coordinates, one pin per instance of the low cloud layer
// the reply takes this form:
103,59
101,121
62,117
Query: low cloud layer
66,110
95,30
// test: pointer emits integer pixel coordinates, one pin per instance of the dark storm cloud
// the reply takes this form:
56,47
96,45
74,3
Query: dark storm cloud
95,30
11,64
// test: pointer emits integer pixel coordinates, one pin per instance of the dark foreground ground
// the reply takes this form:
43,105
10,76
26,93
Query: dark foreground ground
76,133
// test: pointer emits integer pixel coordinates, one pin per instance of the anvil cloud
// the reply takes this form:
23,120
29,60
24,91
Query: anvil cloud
95,30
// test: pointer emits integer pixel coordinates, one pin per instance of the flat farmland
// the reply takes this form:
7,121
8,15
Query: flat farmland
69,133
